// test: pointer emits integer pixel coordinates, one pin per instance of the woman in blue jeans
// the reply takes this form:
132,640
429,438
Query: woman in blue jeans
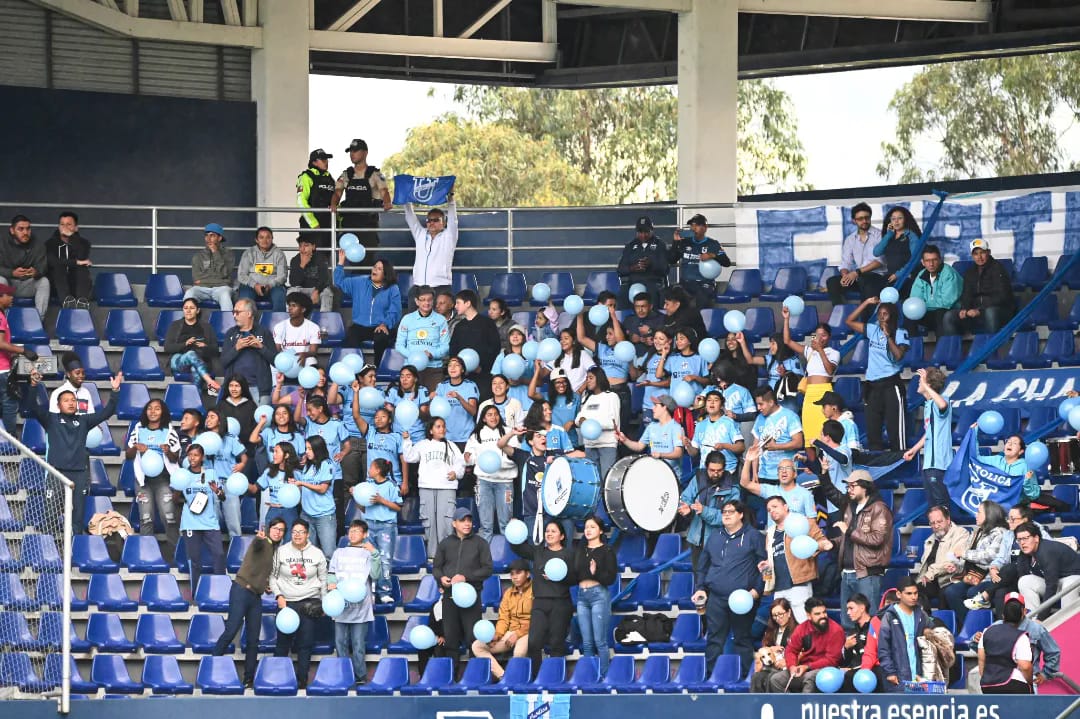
596,568
316,500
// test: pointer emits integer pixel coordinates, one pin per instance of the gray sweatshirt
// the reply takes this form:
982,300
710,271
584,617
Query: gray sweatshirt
276,269
298,573
355,563
212,269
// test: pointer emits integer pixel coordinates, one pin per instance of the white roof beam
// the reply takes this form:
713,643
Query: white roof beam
657,5
484,19
178,11
230,12
111,4
421,46
132,7
196,10
928,10
116,23
353,15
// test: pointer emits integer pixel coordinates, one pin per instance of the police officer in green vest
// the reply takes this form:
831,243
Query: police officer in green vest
314,191
361,186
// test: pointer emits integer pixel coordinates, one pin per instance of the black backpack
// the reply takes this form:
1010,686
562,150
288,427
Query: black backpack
649,627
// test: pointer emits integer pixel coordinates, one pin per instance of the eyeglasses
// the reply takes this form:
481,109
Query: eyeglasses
299,531
432,220
862,218
1026,538
779,615
728,511
239,312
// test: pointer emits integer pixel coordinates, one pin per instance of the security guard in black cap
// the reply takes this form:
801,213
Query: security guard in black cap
314,191
361,186
644,261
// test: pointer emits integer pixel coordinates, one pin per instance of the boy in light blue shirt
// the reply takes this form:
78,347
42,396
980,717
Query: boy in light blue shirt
716,431
381,517
662,438
936,442
199,521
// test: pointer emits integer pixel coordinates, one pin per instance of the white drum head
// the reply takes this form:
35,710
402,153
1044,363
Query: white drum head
555,489
650,494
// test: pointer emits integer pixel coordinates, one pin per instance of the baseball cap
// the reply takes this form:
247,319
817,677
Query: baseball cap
644,224
859,475
461,513
665,400
558,373
1015,597
698,219
7,290
319,154
517,328
519,565
355,145
215,228
832,398
980,244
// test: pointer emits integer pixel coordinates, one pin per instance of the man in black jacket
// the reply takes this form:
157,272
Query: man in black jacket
475,330
23,264
68,257
1045,567
987,302
249,351
461,557
310,275
643,261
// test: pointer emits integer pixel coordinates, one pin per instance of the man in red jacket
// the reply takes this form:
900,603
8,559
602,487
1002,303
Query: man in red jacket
815,644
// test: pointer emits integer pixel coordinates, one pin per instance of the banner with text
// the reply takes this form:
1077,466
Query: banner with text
1020,389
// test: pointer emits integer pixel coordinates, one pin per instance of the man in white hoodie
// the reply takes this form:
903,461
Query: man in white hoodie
360,560
263,271
298,581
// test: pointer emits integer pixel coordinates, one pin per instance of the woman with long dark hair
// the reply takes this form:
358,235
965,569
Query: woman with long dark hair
494,490
441,466
770,658
153,433
192,345
646,368
317,503
549,621
605,407
900,237
230,459
574,361
595,567
500,315
821,361
616,371
561,397
990,528
284,464
408,387
884,391
376,309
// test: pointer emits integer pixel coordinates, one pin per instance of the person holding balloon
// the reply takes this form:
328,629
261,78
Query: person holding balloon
298,396
358,393
462,397
515,366
815,648
381,500
699,259
298,582
731,356
792,545
565,403
475,339
861,670
884,391
549,621
938,286
495,471
685,364
511,633
157,446
644,372
1012,461
614,356
332,431
201,490
272,426
381,442
599,419
462,562
410,403
441,467
226,456
297,332
821,361
317,504
237,411
284,466
423,338
781,364
376,308
348,600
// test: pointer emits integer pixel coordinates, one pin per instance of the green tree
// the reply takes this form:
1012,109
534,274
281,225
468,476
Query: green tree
981,118
770,155
496,165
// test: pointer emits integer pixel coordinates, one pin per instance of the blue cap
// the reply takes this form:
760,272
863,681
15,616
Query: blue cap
215,228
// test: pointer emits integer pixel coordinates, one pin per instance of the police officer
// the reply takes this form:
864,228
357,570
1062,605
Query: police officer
689,252
644,261
314,191
361,186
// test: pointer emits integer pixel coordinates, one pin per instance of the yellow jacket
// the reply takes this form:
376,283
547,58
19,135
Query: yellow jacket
514,611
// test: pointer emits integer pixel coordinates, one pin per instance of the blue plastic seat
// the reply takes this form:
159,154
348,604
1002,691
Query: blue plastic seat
561,284
391,674
691,672
410,554
267,630
378,636
275,677
819,292
915,357
164,290
646,589
221,322
180,558
405,285
501,554
1044,313
179,397
8,561
49,593
395,594
804,324
948,618
333,327
509,287
76,327
54,666
390,366
238,547
101,486
334,677
108,593
112,289
95,364
726,672
464,281
15,632
106,633
109,671
133,396
143,554
974,622
918,535
124,328
155,634
50,631
33,435
161,593
855,363
1071,320
427,593
586,673
40,553
203,632
515,679
477,674
552,673
1061,348
760,323
26,326
438,674
16,671
742,285
656,672
1033,274
217,675
597,282
620,674
141,364
402,646
270,320
161,674
789,281
686,634
947,352
630,549
679,590
212,594
836,319
491,592
667,547
89,554
324,636
164,320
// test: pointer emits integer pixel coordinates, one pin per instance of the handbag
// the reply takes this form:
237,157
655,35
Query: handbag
973,574
803,384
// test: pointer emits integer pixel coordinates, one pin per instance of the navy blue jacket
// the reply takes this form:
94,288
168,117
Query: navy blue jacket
892,645
229,355
729,562
65,434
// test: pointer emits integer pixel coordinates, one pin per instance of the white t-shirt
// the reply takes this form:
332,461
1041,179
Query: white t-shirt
1021,652
575,375
814,366
298,338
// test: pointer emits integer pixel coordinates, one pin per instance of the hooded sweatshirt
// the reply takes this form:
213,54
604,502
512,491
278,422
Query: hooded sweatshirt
298,573
436,459
15,254
263,268
355,563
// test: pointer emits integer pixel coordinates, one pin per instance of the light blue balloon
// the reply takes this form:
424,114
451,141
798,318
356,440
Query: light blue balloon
889,295
94,438
471,358
181,479
355,253
353,590
419,360
406,413
591,429
796,525
529,350
484,631
237,484
865,681
709,349
333,603
740,601
439,408
152,463
489,462
829,680
914,308
264,410
354,361
370,398
636,289
308,377
463,594
285,360
541,292
1074,418
549,350
210,442
421,637
734,321
709,269
683,393
341,374
1067,405
573,304
599,315
804,546
364,494
1037,455
555,569
795,305
991,422
625,352
289,496
287,620
232,425
516,532
348,240
513,366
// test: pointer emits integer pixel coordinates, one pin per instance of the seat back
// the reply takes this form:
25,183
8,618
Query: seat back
391,672
160,589
439,672
124,327
805,323
598,282
25,324
790,280
657,670
334,676
691,669
164,290
745,282
112,289
620,671
141,363
332,326
275,675
477,673
217,674
508,286
154,633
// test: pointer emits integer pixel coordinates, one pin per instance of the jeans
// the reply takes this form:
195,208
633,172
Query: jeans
955,594
324,531
190,361
38,288
277,296
604,457
494,502
594,620
869,586
9,406
350,641
326,297
383,535
719,620
194,541
990,320
222,295
230,512
289,514
937,494
302,640
156,493
245,608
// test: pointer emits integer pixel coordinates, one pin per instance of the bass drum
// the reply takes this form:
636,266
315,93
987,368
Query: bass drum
641,493
570,488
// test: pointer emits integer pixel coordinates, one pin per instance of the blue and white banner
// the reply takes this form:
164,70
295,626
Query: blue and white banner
970,482
1021,389
422,190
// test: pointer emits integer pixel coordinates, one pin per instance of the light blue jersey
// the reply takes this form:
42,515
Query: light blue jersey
313,503
781,426
879,361
679,366
377,512
613,368
420,398
334,434
385,445
799,500
274,484
938,449
207,519
565,410
460,423
664,438
708,433
272,437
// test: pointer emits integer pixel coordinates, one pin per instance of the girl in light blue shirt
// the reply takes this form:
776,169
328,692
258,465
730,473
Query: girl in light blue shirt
316,500
231,458
284,464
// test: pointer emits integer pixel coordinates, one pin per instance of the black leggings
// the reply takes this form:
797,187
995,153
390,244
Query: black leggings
1013,686
358,333
548,624
885,410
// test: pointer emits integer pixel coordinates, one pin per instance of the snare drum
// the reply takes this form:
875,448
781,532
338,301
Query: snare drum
570,488
1064,456
641,492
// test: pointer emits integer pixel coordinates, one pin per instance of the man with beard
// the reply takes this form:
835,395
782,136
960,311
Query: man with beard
816,643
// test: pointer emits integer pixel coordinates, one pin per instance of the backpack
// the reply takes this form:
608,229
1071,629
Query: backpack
649,627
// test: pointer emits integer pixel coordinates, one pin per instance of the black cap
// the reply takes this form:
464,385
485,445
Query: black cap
356,144
520,565
644,224
319,154
833,398
698,219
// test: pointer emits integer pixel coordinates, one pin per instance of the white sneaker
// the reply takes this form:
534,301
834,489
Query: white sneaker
386,599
